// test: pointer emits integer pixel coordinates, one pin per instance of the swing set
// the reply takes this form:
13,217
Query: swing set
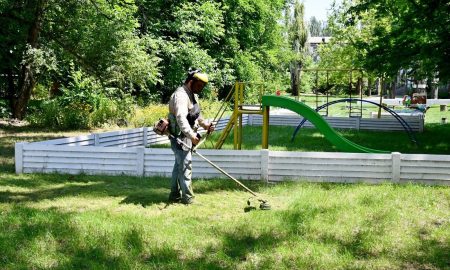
354,111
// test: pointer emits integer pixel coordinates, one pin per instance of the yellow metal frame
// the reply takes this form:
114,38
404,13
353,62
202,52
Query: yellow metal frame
265,127
236,118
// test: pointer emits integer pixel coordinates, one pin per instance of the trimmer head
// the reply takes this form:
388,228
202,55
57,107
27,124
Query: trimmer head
263,206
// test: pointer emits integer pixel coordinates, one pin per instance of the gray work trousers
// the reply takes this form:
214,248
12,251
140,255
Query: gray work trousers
182,171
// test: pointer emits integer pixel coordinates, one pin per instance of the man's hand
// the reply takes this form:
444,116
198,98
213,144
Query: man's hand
211,128
196,139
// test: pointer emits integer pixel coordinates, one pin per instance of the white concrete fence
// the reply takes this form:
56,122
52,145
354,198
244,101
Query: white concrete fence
385,123
123,153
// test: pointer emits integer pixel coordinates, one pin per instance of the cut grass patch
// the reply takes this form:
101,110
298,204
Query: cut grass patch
98,222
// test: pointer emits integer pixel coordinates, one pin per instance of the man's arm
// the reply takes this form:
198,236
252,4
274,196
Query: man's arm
202,122
181,112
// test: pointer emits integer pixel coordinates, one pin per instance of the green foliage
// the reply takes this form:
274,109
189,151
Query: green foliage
99,37
201,21
81,104
384,37
142,47
4,109
147,116
232,40
415,36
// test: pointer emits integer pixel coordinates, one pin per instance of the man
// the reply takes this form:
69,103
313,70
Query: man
184,114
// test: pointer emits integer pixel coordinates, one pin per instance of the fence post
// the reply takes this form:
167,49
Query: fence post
396,160
18,156
358,123
265,165
96,139
145,139
250,120
140,155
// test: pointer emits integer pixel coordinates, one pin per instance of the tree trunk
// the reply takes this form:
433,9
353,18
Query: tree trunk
359,86
295,78
27,80
436,91
27,84
379,86
369,87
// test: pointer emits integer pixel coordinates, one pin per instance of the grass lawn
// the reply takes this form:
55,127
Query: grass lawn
103,222
434,140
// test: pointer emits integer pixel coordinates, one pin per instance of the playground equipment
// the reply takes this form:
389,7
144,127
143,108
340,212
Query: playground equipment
311,115
402,121
239,109
354,111
264,102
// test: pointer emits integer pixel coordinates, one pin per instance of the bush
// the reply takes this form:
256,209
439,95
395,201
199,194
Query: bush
148,115
52,114
5,111
112,112
57,113
210,108
83,103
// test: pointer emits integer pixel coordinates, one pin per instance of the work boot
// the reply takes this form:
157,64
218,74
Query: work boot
174,197
187,200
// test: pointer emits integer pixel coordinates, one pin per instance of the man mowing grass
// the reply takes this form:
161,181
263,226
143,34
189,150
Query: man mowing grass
184,114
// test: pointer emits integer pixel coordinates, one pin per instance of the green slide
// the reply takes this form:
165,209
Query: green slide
312,116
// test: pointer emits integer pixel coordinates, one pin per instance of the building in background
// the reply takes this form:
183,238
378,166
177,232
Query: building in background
312,43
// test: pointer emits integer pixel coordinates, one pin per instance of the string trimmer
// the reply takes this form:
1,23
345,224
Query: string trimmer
161,128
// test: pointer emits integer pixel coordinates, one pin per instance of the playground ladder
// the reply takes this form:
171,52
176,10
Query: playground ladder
235,121
226,131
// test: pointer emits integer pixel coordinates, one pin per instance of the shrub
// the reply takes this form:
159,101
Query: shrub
112,112
5,111
148,115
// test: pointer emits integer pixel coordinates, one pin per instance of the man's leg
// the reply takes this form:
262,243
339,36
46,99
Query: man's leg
174,186
185,177
182,172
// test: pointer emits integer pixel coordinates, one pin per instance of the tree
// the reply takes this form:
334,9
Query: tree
415,38
297,39
230,39
318,28
142,47
24,22
343,50
42,37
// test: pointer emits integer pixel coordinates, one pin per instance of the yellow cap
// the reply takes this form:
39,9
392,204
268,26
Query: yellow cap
201,76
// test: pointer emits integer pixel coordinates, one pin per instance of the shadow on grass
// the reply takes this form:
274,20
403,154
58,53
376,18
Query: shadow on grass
241,242
27,234
140,191
34,238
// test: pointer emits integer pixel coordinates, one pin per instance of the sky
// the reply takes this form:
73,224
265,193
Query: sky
317,8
